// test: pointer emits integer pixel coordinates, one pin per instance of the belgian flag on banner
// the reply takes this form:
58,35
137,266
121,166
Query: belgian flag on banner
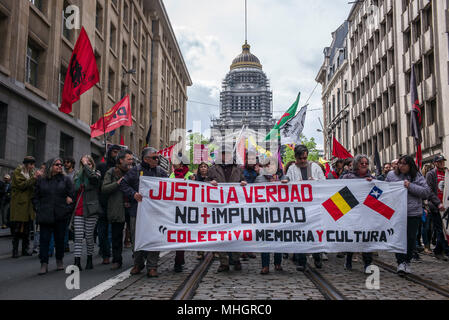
340,203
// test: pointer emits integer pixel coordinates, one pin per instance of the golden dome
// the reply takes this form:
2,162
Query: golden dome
246,59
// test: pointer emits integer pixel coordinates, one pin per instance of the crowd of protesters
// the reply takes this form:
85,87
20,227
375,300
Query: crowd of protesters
100,201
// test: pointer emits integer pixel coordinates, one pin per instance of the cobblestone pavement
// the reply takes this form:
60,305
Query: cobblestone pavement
249,284
288,284
428,268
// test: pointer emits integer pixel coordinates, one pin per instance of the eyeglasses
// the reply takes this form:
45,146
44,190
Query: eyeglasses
58,164
364,163
152,158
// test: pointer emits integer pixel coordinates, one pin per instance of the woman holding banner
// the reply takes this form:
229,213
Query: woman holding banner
202,176
359,170
418,190
268,174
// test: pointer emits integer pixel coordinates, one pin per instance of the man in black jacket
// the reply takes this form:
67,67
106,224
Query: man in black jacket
435,180
130,188
102,223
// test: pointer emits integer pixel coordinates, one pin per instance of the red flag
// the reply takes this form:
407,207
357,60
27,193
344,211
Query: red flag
82,73
122,141
328,169
119,115
167,153
339,151
416,118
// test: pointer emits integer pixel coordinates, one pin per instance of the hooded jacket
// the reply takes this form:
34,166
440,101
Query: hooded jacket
50,196
417,192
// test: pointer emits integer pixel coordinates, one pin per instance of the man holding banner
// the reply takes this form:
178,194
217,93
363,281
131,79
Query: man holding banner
227,172
130,188
301,171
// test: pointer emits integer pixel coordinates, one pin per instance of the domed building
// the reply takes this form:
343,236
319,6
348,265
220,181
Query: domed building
246,98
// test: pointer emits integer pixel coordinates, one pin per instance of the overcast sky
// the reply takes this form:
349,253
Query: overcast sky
288,37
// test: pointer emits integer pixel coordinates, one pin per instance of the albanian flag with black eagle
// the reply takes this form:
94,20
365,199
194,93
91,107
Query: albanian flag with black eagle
416,118
82,73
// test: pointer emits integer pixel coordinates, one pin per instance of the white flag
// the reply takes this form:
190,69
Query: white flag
293,128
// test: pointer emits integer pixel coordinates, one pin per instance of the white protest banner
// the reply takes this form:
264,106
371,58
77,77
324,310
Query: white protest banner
307,217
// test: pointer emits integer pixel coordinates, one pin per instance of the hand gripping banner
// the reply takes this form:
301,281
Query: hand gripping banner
313,216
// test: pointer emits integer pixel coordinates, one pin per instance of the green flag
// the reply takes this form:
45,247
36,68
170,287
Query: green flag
287,116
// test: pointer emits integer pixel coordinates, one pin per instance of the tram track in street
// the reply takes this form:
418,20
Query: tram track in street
327,289
414,278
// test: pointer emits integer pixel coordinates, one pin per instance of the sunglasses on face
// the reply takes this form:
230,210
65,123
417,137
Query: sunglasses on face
364,163
58,164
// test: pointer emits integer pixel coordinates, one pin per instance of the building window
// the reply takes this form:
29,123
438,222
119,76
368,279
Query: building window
4,38
111,82
66,32
417,29
65,146
432,114
430,65
113,38
133,105
125,54
126,13
99,17
141,114
95,113
62,76
136,30
32,64
38,4
36,139
3,126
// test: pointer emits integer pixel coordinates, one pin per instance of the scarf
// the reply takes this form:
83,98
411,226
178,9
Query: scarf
81,179
181,172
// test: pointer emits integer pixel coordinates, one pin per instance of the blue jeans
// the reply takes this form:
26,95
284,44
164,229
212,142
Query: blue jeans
266,259
104,237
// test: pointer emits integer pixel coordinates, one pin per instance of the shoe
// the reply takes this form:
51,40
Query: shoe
223,268
427,250
301,268
441,257
348,265
237,266
178,268
35,251
44,269
416,256
324,257
136,270
59,265
318,264
251,255
408,268
78,263
116,266
106,261
278,267
420,249
265,271
89,265
402,269
152,273
244,257
340,255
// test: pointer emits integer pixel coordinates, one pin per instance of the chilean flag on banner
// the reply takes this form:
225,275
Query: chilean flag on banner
82,73
119,115
372,202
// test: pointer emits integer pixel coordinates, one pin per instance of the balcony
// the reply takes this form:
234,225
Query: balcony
391,76
429,87
415,10
431,135
407,61
405,20
427,41
385,81
383,47
393,114
416,51
390,39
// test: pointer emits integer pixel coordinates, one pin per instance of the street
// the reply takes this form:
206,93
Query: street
19,278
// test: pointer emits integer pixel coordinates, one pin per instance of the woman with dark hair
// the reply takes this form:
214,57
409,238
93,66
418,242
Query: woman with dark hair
360,170
418,190
202,176
53,197
87,187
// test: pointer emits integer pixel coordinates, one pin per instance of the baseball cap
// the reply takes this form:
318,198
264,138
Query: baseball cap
439,158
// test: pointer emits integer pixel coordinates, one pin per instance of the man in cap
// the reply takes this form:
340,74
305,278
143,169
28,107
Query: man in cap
22,212
130,188
435,179
226,171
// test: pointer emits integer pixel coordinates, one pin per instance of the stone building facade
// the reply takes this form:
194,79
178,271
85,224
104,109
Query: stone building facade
246,98
136,53
385,38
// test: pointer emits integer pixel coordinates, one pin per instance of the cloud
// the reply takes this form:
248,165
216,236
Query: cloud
287,36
